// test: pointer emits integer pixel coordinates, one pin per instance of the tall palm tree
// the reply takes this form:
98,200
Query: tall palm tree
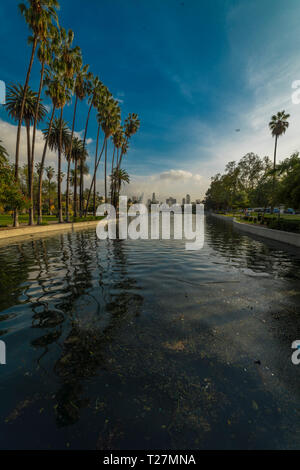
118,141
97,161
14,103
81,89
56,93
79,155
95,91
38,15
95,168
65,65
48,48
119,177
109,117
50,172
75,59
132,125
58,140
278,126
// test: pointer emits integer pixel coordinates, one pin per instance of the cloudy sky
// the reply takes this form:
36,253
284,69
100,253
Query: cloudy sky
194,71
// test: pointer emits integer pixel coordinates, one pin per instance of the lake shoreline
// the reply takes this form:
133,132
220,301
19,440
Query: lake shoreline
288,238
44,229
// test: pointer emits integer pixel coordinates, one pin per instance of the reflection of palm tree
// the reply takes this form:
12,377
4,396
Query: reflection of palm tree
83,347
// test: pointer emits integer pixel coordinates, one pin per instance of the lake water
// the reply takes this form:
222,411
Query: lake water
144,345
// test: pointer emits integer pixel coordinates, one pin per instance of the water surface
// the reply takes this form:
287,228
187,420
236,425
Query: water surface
144,345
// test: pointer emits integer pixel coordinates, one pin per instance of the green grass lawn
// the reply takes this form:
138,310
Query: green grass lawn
6,220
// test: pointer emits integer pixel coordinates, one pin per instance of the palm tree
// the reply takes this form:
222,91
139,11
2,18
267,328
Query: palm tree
79,155
132,125
118,141
97,161
38,16
58,140
109,117
56,93
95,91
118,177
14,102
81,88
50,172
75,59
95,169
65,65
278,126
48,48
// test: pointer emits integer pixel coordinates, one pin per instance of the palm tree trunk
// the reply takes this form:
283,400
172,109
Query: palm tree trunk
95,172
68,192
274,167
105,165
49,189
69,162
112,181
75,190
33,141
94,176
16,218
30,176
81,164
42,168
28,157
59,202
115,182
121,156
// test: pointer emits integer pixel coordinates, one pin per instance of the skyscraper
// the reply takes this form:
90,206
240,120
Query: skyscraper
188,199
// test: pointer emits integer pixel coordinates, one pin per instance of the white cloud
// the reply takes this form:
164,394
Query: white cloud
8,134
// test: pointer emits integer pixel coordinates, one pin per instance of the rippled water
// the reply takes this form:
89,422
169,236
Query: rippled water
143,345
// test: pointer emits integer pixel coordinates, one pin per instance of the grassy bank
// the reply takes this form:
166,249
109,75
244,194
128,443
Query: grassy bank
6,220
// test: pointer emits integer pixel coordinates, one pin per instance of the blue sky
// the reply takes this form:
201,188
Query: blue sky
193,70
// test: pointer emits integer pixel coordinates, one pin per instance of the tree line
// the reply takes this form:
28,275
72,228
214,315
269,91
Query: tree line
63,78
258,182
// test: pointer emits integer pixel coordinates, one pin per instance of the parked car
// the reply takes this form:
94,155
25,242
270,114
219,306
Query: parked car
290,211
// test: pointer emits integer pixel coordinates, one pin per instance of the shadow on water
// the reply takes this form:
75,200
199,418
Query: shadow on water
119,345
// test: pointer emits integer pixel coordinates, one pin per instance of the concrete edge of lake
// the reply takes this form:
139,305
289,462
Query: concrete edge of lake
45,229
281,236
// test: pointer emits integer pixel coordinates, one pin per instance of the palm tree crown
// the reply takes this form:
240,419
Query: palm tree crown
13,104
54,136
279,123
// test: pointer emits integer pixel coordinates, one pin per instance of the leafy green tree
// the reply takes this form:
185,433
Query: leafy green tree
11,195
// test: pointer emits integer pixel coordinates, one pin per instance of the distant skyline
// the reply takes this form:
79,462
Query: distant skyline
194,71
